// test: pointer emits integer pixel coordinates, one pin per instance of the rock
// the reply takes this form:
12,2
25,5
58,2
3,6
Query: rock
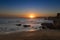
48,25
26,25
18,24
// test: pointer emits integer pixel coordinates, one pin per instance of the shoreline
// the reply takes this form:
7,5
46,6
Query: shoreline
35,35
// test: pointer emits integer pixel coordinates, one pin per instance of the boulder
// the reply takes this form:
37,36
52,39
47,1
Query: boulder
48,25
26,25
18,24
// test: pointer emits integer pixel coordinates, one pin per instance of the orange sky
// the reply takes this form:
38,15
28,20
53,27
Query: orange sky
26,15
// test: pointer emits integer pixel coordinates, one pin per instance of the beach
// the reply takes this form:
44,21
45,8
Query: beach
32,35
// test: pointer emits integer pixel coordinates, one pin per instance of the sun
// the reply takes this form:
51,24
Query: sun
32,16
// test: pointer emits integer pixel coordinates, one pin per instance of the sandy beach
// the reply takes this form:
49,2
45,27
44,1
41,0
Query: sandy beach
32,35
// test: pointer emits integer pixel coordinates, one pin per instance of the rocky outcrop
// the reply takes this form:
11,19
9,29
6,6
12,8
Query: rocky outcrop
26,25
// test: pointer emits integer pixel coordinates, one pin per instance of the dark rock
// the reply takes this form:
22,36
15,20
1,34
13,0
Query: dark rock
26,25
18,24
48,25
57,24
43,27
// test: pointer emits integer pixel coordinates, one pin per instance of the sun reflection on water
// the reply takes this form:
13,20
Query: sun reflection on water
31,30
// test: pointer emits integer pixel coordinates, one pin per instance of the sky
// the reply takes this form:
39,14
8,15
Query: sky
24,8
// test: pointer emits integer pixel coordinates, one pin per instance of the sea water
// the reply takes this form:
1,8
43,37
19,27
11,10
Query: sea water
9,24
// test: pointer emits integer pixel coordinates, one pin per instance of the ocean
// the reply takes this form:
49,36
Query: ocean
17,24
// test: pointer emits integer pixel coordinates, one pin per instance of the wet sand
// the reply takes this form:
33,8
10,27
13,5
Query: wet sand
33,35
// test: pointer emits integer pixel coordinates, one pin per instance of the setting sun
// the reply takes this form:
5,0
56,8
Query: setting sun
32,16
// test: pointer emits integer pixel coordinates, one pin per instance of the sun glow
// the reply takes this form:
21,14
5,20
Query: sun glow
32,16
